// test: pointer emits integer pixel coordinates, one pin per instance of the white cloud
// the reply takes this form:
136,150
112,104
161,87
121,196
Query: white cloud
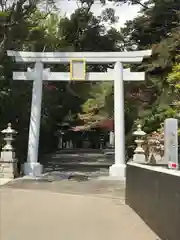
124,11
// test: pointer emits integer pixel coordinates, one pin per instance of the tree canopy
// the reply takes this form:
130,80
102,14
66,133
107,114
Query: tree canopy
25,25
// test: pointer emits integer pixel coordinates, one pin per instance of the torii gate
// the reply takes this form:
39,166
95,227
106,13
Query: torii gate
78,62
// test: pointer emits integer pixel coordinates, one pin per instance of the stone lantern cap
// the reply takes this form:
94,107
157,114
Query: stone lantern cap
9,130
139,131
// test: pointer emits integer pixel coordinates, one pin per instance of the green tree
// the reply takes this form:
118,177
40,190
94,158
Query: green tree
44,31
149,31
174,81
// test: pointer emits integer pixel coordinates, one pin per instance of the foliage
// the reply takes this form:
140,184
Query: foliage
146,31
35,30
23,26
150,102
174,81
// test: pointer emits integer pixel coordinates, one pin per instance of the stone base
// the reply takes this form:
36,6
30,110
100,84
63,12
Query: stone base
139,158
33,169
118,171
8,170
3,181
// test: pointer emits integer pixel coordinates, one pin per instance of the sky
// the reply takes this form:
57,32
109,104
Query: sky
124,11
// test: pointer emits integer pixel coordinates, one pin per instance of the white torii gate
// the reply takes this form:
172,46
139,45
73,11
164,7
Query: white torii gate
38,74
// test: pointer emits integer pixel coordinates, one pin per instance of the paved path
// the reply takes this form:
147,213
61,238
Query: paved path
93,187
68,210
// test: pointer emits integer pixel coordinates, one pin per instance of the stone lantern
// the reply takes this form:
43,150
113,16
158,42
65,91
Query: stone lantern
8,161
155,148
139,153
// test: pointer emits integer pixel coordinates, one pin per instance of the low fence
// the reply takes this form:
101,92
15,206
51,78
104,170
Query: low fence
154,194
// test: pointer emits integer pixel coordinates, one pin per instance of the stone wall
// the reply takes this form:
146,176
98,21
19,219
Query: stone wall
154,194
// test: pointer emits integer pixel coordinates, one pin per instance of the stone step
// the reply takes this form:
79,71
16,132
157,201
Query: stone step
78,165
75,159
79,150
91,161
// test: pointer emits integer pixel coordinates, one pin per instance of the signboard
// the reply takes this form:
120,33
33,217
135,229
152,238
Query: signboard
78,69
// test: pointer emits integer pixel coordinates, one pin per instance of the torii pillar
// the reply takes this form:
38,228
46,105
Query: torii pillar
32,167
118,168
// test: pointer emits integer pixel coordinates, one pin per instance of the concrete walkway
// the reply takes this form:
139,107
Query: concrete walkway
46,215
